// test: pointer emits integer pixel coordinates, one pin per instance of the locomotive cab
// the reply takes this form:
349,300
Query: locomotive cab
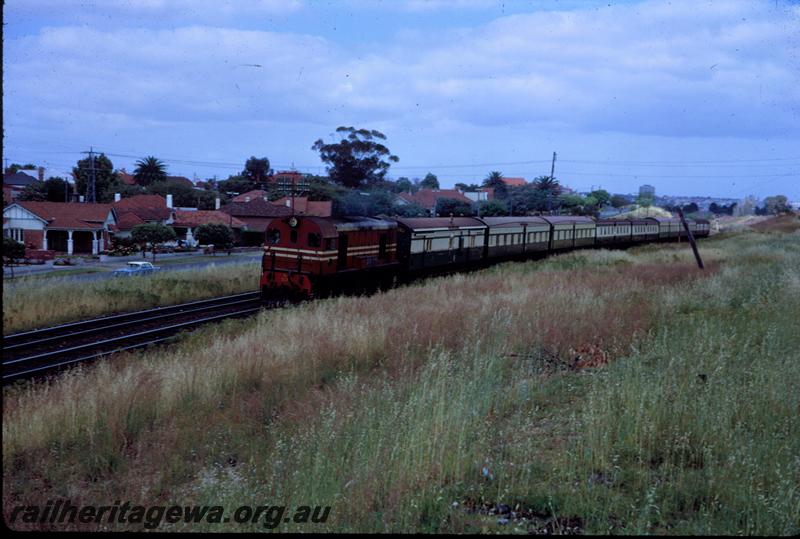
312,256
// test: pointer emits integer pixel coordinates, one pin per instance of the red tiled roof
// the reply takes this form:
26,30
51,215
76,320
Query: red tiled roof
204,217
257,207
74,215
145,207
303,206
427,198
127,221
515,182
126,178
250,195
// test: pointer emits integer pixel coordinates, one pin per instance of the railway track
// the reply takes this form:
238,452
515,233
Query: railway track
39,352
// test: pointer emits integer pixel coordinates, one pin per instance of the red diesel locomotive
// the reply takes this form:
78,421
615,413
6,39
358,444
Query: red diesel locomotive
316,256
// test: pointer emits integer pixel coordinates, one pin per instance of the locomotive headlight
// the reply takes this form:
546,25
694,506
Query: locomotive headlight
293,222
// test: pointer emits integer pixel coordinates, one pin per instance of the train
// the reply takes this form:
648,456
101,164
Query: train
309,257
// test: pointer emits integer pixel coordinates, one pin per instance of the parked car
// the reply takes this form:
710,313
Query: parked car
137,268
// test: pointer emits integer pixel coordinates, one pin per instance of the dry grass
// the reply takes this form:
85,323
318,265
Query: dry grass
387,408
31,303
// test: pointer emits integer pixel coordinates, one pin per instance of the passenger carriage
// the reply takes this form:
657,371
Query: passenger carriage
570,232
613,231
439,242
509,237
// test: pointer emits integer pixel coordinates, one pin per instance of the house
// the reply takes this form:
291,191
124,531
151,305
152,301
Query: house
185,222
126,178
514,182
256,213
427,198
138,210
303,206
288,182
250,195
67,227
16,182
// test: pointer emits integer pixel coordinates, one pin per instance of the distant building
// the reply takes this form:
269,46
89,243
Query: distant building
303,206
647,191
16,182
514,182
290,181
427,198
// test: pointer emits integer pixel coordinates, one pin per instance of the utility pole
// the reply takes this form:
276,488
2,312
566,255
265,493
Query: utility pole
552,178
91,193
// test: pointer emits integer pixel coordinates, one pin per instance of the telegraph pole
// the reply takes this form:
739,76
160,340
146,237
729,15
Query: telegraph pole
91,193
552,178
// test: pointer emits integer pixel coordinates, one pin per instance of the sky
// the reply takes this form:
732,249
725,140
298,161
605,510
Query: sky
694,97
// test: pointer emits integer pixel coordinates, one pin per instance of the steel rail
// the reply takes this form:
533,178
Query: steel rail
51,358
119,325
15,339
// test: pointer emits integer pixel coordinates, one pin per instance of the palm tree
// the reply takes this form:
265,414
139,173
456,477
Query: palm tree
150,170
547,183
495,181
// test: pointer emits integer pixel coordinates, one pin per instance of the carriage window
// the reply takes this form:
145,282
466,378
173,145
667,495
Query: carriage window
330,244
293,236
313,239
273,235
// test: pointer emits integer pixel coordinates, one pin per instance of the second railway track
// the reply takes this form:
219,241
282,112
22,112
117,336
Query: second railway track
39,352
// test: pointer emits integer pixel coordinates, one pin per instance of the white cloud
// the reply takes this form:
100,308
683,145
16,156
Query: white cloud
679,68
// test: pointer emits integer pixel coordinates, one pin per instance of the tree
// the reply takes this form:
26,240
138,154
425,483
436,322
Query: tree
185,196
777,204
403,185
236,185
451,206
105,177
410,210
618,201
52,190
601,196
430,181
492,208
375,202
149,171
548,184
16,167
464,188
13,252
257,170
495,181
218,235
358,159
692,207
152,233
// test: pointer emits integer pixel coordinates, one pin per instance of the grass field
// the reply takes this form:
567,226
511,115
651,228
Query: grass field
32,302
596,391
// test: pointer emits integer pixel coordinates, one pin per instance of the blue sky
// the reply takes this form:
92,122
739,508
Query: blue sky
694,97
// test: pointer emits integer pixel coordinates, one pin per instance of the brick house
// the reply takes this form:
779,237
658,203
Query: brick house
303,206
256,213
138,210
66,227
427,198
185,222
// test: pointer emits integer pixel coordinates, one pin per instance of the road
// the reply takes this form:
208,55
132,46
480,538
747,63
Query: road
106,269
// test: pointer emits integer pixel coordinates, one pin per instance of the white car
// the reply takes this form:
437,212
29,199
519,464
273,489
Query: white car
137,268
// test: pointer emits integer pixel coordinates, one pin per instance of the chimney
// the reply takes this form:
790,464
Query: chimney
169,201
288,203
216,203
80,198
41,174
117,197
